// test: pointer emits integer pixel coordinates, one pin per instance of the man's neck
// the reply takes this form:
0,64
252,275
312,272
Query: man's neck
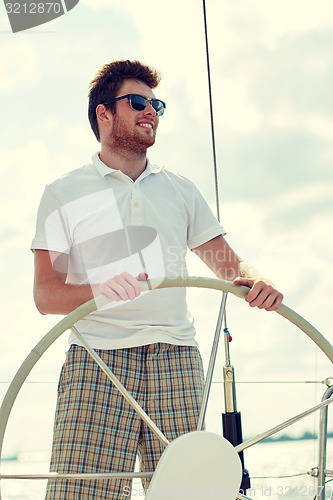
130,163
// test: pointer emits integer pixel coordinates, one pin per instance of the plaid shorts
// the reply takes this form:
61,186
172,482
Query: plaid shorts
96,430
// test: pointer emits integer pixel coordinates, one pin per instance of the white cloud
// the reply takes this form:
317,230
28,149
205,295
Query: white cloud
313,122
19,63
79,135
51,124
282,18
97,4
303,195
30,165
263,23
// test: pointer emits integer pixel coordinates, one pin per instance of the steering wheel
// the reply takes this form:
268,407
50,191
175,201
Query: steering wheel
92,305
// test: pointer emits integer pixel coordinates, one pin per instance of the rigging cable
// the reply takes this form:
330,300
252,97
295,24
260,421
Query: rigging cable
231,419
211,113
217,197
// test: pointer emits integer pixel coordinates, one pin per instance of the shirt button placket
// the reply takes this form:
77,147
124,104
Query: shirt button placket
136,212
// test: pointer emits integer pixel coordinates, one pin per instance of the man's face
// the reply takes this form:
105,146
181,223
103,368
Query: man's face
133,130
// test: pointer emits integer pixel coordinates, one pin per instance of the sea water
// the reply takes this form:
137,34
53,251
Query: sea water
278,470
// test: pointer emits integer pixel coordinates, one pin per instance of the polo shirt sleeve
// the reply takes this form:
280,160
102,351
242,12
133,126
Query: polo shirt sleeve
203,225
52,228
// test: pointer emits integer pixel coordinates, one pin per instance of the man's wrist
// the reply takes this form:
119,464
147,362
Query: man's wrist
96,289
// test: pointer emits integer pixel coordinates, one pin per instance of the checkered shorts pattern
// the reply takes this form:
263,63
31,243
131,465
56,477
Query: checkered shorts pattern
96,430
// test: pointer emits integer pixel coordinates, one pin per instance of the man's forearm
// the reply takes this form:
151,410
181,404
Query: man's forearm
226,264
224,261
220,258
56,297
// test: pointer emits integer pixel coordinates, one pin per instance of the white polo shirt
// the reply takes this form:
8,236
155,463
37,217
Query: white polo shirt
107,223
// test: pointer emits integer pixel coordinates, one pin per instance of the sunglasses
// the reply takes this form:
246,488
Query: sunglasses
139,103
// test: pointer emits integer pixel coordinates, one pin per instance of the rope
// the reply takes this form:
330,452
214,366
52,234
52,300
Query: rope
30,382
281,477
211,114
272,382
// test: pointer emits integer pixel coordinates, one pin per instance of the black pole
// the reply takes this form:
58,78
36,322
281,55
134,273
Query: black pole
231,418
232,431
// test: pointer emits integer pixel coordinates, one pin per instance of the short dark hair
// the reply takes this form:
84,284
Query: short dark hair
108,81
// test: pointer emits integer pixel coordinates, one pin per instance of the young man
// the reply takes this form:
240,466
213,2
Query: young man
101,229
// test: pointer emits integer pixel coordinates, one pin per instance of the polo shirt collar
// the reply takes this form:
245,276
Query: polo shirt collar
104,170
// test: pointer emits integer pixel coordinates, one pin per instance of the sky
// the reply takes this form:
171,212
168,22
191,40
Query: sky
272,79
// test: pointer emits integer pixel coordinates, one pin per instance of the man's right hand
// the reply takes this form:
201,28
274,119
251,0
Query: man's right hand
121,287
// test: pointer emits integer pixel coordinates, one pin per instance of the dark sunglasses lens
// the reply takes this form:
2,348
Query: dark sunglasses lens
138,103
158,106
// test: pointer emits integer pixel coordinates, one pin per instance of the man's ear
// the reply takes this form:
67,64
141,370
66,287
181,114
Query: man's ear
104,116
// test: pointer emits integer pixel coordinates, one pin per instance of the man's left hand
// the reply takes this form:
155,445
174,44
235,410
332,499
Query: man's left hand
262,294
